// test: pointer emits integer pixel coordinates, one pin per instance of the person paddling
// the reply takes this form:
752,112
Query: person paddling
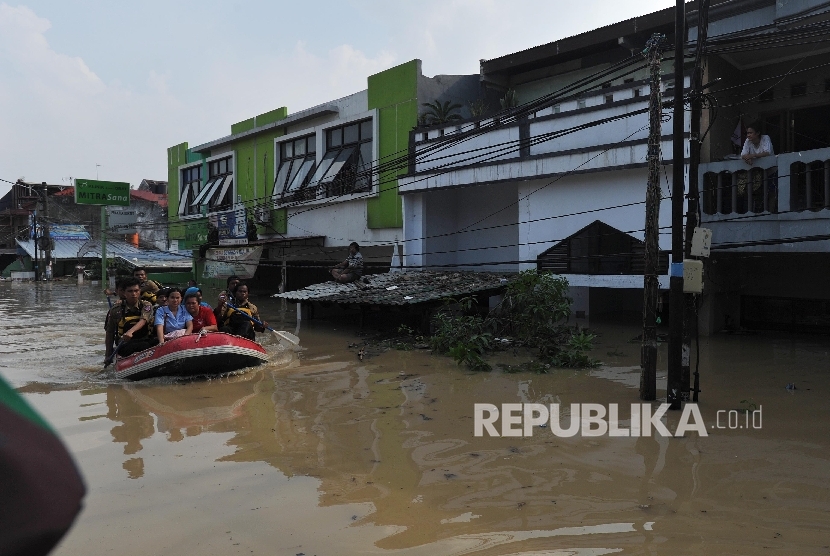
173,320
128,323
236,324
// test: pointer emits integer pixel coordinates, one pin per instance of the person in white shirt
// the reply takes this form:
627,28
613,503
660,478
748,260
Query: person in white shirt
756,146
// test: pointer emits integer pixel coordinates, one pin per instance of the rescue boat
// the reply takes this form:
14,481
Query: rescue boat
197,354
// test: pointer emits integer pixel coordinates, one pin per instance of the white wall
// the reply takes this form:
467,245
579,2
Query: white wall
449,211
580,193
341,223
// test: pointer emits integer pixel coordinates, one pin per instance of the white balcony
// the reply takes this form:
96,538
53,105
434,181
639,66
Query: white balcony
762,206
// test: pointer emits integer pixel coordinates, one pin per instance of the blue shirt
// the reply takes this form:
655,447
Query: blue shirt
170,321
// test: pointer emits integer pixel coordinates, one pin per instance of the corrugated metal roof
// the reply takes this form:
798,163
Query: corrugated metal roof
400,288
80,249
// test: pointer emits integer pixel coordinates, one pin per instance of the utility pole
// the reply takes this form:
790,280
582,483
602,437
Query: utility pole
46,231
36,264
674,388
651,284
692,216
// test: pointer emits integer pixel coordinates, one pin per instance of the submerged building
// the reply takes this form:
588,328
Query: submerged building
307,183
557,180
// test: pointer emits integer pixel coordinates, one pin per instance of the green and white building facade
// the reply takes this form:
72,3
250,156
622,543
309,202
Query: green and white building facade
307,179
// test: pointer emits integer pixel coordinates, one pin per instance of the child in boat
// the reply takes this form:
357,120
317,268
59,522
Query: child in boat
173,320
203,319
232,319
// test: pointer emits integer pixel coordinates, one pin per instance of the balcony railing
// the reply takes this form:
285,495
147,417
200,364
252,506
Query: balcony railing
789,182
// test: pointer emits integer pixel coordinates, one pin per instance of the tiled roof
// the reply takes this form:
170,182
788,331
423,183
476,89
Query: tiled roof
400,288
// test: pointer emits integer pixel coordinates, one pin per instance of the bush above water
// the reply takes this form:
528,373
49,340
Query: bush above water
534,312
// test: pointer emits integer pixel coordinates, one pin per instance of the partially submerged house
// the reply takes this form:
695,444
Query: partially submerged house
559,182
306,184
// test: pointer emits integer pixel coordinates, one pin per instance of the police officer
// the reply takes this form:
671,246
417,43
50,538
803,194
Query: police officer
131,322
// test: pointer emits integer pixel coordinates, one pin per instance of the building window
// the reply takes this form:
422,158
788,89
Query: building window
217,194
580,103
766,95
346,165
798,89
297,163
609,99
191,186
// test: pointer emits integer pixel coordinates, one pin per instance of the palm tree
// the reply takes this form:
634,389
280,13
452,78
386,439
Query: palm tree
438,113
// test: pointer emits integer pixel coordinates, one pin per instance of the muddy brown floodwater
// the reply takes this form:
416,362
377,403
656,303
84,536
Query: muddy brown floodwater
322,453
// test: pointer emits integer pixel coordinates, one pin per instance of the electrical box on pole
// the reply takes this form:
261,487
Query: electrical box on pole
701,242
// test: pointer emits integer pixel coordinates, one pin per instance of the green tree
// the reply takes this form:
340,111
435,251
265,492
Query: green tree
441,113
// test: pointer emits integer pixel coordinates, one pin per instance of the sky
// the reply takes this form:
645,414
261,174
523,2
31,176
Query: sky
100,89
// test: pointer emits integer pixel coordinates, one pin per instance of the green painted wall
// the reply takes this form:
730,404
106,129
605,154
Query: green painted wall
176,156
273,116
190,232
244,125
394,93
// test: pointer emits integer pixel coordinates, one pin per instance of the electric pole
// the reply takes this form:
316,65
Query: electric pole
46,231
651,284
674,388
692,216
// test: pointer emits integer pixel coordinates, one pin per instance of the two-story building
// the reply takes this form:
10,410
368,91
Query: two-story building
559,181
312,181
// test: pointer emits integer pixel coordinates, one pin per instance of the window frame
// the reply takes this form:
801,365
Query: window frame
285,192
182,207
208,182
319,133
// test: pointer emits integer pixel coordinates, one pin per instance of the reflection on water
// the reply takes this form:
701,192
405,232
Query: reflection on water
322,453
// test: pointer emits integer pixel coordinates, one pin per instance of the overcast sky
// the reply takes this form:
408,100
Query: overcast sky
87,83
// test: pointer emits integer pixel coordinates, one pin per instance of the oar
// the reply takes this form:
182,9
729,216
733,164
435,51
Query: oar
287,336
109,359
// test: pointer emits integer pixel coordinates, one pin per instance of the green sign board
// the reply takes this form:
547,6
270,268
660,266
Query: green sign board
94,192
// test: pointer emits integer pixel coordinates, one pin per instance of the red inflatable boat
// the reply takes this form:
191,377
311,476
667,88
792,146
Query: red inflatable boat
208,354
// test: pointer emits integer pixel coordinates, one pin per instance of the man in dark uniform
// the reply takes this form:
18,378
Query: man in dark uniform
148,287
131,322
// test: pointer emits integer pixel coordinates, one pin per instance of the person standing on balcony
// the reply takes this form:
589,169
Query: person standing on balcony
756,145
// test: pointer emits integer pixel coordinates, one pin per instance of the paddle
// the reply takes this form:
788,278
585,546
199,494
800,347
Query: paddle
287,336
109,359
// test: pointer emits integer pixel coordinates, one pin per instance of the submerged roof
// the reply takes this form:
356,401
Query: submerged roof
400,288
71,249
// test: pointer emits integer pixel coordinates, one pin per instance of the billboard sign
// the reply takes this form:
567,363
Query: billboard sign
240,261
96,192
122,221
232,227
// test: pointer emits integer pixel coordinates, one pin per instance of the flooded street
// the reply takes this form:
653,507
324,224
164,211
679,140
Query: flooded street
320,453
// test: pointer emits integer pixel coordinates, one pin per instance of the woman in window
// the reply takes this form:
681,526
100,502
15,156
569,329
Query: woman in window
173,320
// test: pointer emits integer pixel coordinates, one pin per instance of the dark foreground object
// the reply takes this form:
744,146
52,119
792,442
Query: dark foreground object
209,354
40,488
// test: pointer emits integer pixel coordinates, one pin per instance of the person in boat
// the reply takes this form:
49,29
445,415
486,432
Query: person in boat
149,288
173,320
232,319
203,317
161,300
198,292
226,296
352,268
119,291
128,326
